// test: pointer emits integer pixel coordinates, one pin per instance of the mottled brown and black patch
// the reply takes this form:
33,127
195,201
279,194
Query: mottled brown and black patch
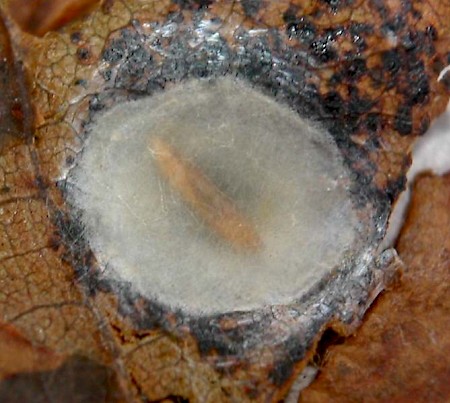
251,7
16,113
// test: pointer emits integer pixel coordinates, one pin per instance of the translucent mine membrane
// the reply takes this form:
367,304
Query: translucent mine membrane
274,217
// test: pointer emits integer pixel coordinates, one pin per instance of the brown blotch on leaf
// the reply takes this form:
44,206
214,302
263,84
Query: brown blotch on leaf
40,16
15,111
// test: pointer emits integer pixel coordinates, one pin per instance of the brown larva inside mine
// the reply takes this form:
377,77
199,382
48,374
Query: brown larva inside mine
277,217
205,199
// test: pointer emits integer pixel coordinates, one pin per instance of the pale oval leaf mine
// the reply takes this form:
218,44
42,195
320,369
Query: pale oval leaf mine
220,199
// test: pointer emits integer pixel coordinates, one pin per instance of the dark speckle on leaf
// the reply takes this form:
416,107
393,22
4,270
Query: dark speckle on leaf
448,57
391,61
301,29
251,7
335,4
373,122
355,68
432,33
394,25
80,82
323,50
420,91
95,104
132,71
75,37
417,93
424,126
83,53
408,41
192,3
403,120
333,103
290,14
115,52
379,6
358,105
394,187
358,32
106,74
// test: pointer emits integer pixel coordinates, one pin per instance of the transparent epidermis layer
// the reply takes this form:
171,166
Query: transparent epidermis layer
284,175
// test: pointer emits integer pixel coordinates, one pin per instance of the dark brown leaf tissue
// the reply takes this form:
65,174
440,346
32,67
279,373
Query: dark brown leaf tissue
366,70
40,16
401,352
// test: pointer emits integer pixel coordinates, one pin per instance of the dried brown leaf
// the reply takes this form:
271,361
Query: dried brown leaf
402,351
372,77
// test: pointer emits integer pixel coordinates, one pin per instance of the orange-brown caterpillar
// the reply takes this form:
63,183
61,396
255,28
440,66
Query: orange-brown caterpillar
215,208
